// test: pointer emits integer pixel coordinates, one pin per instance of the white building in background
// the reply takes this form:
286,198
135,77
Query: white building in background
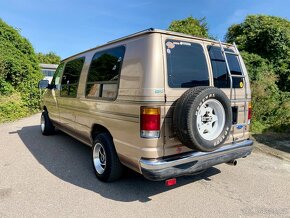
48,70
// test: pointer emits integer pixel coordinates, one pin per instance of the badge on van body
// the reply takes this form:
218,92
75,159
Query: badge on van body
239,126
158,91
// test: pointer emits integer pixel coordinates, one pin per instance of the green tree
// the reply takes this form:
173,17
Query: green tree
190,25
271,107
269,37
265,42
19,74
49,58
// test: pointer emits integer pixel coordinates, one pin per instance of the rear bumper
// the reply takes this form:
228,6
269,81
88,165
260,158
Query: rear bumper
161,169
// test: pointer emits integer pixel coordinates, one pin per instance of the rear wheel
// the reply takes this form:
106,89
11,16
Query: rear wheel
106,163
46,125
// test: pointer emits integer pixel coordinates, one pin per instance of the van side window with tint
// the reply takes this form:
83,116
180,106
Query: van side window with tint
70,77
104,72
56,77
220,74
186,65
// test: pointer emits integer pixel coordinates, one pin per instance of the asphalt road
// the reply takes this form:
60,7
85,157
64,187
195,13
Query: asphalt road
52,176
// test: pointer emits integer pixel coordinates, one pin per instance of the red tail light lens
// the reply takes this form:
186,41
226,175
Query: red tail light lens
170,182
149,122
249,111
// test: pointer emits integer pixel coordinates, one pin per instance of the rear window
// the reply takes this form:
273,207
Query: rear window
186,64
220,74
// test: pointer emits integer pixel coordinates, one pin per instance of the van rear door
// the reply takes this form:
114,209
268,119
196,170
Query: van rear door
240,86
186,66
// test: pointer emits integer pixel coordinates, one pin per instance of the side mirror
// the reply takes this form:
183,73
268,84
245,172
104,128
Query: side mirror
43,84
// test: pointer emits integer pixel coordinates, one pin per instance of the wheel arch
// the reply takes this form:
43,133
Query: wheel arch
96,129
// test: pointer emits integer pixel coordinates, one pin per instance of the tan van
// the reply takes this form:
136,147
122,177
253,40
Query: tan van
162,103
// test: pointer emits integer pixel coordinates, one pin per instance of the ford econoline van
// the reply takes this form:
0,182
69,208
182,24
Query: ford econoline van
162,103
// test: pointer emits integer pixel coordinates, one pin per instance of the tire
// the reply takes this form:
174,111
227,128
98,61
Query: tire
202,118
106,163
46,125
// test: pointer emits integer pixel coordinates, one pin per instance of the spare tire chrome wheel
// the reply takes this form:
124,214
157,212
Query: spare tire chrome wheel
210,119
202,118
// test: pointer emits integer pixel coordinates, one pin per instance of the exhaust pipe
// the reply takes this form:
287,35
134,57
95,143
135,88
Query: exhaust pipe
233,162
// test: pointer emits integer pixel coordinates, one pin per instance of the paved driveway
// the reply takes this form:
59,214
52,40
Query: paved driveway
51,176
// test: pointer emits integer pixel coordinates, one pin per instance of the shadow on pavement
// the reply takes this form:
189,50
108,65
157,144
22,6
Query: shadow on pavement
70,161
279,141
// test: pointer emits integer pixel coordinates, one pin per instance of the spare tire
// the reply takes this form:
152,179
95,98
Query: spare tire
202,118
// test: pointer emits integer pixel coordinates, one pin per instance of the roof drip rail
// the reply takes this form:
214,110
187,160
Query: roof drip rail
134,34
143,32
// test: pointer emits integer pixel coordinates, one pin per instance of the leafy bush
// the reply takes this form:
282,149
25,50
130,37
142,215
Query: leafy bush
269,37
5,87
271,107
12,107
19,74
265,41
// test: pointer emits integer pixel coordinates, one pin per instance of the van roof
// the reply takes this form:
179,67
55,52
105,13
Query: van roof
148,31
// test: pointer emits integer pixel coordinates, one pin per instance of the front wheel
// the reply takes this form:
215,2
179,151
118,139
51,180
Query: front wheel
106,163
46,125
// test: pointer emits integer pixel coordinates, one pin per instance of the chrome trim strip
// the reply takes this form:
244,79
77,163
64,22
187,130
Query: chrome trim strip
159,164
241,100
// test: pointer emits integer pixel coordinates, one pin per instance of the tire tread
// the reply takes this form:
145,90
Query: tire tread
115,168
182,123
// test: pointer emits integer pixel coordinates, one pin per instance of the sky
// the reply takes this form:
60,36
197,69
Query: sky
67,27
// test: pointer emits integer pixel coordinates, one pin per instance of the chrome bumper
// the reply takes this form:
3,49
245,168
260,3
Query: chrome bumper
189,163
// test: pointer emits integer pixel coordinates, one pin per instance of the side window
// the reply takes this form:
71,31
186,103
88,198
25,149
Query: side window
220,74
104,72
70,77
186,64
56,77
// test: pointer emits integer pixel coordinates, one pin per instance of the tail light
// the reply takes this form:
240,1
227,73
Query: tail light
149,122
249,112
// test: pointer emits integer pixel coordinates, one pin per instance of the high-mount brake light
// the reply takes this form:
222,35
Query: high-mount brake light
149,122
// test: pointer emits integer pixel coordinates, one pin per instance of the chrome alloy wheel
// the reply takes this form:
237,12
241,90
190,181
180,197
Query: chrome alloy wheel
210,119
99,158
42,123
